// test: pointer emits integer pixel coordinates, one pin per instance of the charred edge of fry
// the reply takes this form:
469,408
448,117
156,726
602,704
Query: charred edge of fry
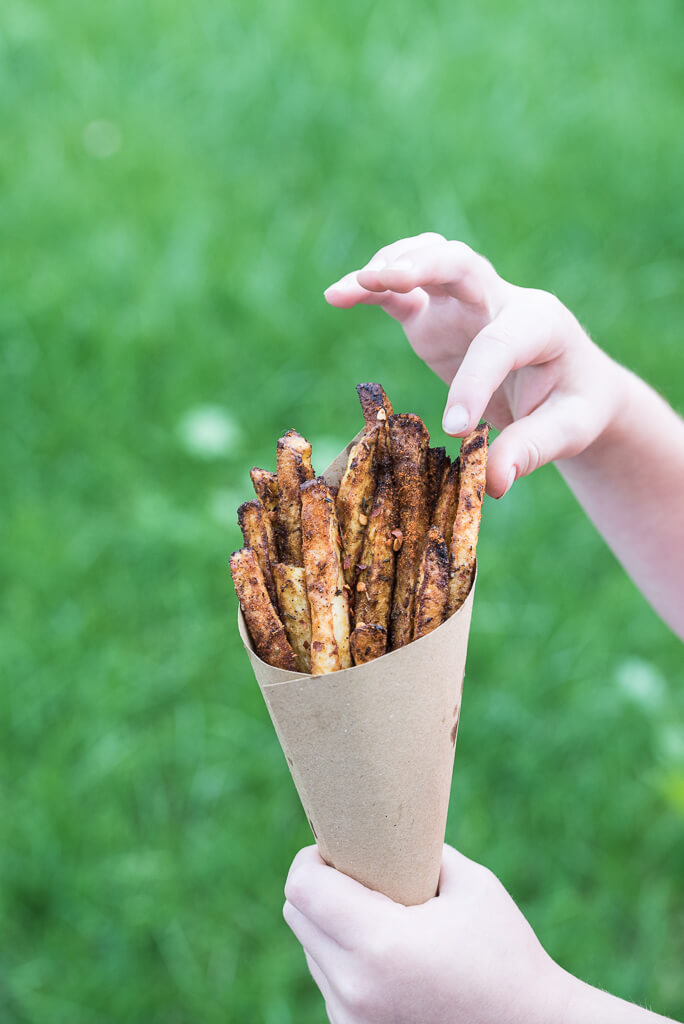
373,398
432,588
252,519
462,550
290,583
368,642
445,509
354,500
265,628
436,462
326,589
265,486
409,441
373,604
293,469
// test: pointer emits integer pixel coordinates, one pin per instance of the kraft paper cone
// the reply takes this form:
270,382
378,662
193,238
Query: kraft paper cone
371,752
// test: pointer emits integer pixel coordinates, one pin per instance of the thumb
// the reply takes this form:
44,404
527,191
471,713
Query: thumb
558,429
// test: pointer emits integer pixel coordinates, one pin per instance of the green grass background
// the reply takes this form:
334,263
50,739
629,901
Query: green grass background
178,183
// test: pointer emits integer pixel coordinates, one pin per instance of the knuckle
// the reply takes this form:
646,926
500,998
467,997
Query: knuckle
533,454
356,993
295,886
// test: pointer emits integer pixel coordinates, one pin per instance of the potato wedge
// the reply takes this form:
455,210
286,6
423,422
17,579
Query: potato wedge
367,642
354,500
294,469
252,519
265,486
471,490
373,589
377,409
325,586
409,442
265,628
290,581
436,461
432,586
445,509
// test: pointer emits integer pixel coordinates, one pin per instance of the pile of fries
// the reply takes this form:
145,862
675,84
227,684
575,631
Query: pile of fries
333,578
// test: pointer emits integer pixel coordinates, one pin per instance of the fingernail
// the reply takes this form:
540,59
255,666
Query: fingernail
401,263
511,480
455,420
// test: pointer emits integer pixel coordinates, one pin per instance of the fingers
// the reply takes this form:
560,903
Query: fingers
333,903
523,334
442,267
347,292
558,429
315,942
454,871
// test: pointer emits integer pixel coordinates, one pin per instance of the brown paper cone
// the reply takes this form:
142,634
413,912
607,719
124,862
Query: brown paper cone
371,752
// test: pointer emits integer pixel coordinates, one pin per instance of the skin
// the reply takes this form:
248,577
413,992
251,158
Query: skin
518,358
468,956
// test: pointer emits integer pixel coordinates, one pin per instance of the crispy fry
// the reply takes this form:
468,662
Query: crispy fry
290,581
354,499
468,512
294,469
325,584
445,509
367,642
373,602
436,461
265,486
265,628
432,586
377,409
252,519
409,442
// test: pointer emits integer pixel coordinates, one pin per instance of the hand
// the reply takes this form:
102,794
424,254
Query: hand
468,955
514,355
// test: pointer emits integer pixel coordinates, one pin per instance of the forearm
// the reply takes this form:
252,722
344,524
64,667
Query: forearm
631,484
575,1002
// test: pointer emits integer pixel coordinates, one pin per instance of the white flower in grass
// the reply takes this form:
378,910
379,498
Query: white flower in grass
641,682
208,432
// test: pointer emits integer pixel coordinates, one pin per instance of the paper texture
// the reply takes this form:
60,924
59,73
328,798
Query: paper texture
371,750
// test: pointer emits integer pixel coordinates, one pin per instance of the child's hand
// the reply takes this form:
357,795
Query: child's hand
514,355
467,955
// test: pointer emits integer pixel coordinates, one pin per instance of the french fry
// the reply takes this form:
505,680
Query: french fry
409,442
432,586
445,509
265,628
367,642
294,469
373,590
436,461
325,584
377,409
471,490
265,486
290,581
252,520
354,499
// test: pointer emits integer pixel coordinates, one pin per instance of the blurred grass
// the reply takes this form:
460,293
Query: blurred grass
178,186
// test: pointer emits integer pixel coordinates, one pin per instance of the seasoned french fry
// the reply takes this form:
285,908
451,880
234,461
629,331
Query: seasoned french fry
409,442
445,509
265,628
432,586
471,490
290,581
367,642
377,409
325,584
436,461
265,486
354,499
252,519
373,590
294,469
